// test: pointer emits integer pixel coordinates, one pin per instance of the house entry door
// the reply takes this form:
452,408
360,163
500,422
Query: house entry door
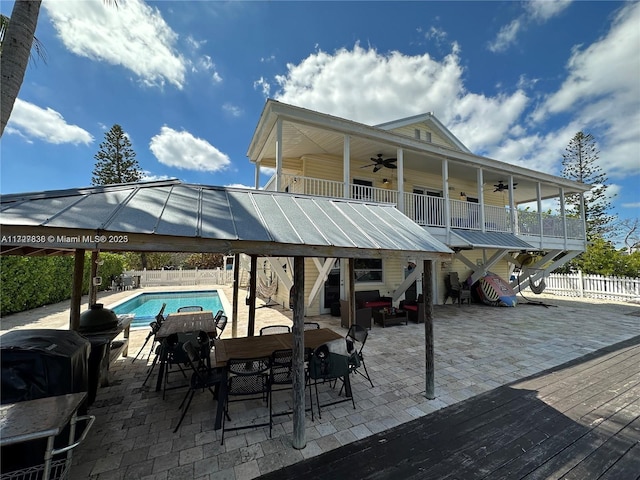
332,288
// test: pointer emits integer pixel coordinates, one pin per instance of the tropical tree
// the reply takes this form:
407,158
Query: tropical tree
579,163
116,160
205,260
18,36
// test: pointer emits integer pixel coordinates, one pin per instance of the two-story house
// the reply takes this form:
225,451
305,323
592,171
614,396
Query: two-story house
489,212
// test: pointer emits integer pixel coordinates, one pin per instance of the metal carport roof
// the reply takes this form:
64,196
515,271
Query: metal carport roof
174,216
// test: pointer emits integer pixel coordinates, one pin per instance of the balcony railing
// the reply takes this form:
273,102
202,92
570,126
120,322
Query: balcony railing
429,210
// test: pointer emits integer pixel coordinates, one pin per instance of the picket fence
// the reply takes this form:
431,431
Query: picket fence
156,278
593,286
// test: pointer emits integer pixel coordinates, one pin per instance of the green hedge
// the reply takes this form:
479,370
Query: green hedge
30,282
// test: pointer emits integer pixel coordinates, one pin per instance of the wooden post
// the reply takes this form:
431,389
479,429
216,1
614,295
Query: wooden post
76,292
253,278
236,286
299,438
427,281
351,283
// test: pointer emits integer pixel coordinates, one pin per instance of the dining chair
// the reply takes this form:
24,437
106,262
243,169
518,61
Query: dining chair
326,364
203,377
311,326
190,308
221,323
281,375
248,378
273,329
356,338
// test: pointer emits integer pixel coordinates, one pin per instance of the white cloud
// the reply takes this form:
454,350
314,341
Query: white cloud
506,36
535,10
30,121
183,150
149,177
239,185
263,85
131,34
543,10
233,110
603,92
367,86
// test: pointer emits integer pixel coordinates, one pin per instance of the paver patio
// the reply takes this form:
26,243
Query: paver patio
477,348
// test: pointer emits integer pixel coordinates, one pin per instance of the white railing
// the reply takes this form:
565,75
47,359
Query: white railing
593,286
429,211
153,278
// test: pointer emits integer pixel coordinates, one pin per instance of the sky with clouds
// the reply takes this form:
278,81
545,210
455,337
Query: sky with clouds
514,81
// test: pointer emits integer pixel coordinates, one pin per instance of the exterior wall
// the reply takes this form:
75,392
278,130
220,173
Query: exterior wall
436,138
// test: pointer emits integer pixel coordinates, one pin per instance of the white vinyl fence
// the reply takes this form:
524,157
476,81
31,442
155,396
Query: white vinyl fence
153,278
593,286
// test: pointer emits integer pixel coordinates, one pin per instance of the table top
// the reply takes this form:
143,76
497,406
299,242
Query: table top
265,345
40,418
184,322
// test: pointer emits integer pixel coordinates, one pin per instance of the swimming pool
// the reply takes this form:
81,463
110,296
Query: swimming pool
146,306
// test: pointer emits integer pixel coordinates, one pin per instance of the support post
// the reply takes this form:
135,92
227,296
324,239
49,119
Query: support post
93,289
351,282
299,438
253,278
76,292
236,286
427,280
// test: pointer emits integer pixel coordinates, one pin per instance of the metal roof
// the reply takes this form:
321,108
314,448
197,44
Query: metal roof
476,239
174,216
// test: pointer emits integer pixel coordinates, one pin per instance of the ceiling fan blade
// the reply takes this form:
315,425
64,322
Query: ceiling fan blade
377,167
370,165
391,165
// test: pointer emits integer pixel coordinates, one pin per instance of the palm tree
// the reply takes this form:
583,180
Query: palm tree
14,57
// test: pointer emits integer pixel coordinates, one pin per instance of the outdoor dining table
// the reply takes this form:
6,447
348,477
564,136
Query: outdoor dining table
183,322
263,346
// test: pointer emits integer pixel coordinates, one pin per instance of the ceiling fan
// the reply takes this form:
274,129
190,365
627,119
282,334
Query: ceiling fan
501,187
380,162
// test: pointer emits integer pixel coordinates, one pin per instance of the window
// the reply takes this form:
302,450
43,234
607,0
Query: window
368,270
417,133
427,137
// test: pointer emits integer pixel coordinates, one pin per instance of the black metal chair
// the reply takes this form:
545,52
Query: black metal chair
190,308
175,355
455,289
311,326
203,377
281,375
221,323
155,326
248,378
356,338
326,366
273,329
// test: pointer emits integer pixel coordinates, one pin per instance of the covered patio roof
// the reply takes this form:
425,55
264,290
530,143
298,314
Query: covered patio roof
178,217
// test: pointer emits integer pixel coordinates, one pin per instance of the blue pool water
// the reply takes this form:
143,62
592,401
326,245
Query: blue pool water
146,306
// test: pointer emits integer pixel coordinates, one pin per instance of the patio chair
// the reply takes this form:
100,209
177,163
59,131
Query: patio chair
356,339
155,326
248,379
221,323
190,308
281,375
203,376
273,329
174,354
326,364
454,289
311,326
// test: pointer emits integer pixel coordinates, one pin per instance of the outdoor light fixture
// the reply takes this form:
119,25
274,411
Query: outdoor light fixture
386,181
463,196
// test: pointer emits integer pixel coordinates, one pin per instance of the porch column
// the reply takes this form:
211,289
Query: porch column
400,156
563,215
445,192
257,173
512,206
583,216
76,291
298,381
279,155
480,181
540,222
427,280
346,166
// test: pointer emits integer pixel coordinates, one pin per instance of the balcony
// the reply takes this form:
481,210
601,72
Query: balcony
430,211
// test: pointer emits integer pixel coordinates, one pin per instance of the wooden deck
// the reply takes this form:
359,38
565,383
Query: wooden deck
580,420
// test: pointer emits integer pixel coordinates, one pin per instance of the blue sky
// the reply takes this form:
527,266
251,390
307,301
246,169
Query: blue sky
187,81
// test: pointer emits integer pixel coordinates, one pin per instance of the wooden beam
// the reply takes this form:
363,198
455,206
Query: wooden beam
76,291
93,289
236,286
427,280
351,282
299,439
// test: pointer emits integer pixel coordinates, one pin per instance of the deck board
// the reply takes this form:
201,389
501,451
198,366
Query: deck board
579,420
